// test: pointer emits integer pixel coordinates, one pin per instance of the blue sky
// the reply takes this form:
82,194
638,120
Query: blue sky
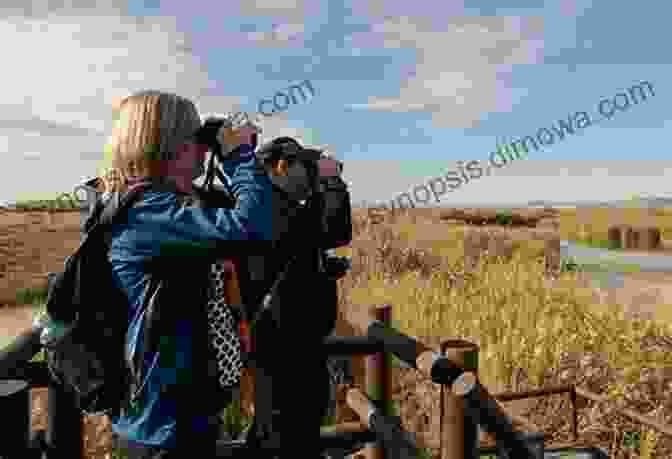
403,89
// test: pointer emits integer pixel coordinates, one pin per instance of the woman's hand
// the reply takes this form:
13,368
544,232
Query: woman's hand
235,139
113,180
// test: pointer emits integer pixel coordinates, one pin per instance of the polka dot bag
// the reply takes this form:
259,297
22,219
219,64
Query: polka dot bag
223,324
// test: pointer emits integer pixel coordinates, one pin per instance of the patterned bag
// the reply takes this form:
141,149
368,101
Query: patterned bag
223,321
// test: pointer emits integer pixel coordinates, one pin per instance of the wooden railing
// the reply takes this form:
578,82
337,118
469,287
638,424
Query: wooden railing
465,403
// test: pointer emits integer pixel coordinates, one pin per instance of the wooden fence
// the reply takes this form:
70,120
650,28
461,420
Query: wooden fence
465,403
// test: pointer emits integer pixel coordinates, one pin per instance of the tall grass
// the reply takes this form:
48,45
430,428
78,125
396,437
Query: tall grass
62,201
32,295
35,297
528,331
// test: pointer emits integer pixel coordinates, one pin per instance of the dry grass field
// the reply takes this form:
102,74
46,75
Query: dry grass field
535,326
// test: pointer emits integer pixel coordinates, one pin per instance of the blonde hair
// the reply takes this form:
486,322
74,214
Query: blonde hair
149,127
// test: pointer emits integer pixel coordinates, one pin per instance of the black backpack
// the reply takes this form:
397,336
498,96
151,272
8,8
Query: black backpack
89,360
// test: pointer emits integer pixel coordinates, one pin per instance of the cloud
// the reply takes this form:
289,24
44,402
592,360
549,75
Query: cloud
292,10
437,9
77,67
287,31
60,77
280,36
392,105
278,126
32,155
290,28
534,179
42,8
35,126
462,71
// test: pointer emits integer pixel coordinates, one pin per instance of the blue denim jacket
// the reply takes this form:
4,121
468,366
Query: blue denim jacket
157,222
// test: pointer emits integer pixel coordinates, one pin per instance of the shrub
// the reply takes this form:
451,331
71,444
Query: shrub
33,295
504,218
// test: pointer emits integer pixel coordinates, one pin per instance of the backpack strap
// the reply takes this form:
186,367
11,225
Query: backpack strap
106,212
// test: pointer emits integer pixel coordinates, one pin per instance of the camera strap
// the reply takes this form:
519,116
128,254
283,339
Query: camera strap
213,170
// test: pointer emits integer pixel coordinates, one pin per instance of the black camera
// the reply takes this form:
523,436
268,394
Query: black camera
336,266
208,132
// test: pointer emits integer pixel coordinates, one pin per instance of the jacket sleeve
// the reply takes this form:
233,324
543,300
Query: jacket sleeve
161,225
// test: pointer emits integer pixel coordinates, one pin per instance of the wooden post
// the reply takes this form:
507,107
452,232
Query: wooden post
378,379
626,236
614,233
634,234
649,238
459,434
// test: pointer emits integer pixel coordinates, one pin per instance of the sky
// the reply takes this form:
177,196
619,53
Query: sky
402,90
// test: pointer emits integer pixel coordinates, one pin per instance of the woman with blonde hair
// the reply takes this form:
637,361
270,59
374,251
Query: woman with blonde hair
224,300
153,147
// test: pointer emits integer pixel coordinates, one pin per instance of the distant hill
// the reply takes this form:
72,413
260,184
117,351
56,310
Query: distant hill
650,202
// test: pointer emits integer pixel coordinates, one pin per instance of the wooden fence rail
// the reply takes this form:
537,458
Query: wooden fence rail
64,433
574,391
464,406
63,437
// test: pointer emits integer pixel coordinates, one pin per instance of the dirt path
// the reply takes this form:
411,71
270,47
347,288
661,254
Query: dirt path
653,261
645,295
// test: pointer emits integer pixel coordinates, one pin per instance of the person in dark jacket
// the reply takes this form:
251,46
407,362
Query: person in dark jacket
151,145
308,300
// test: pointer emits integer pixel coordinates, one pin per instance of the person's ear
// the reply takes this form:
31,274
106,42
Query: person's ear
281,168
